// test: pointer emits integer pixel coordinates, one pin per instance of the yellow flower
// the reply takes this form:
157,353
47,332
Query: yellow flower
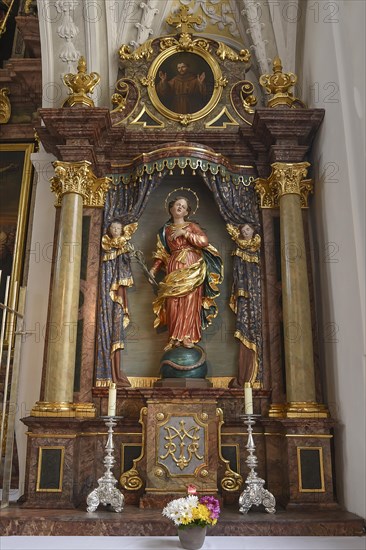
201,513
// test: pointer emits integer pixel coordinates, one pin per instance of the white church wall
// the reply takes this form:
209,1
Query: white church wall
38,287
332,76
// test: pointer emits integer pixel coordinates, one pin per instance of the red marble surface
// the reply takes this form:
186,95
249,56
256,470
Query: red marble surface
133,521
89,309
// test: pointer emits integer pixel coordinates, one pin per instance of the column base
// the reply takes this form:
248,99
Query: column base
306,409
277,410
64,409
298,409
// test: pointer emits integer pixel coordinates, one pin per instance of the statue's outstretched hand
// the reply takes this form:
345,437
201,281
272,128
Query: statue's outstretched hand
201,78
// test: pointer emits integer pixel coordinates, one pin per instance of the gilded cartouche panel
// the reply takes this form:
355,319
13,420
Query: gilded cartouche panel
181,446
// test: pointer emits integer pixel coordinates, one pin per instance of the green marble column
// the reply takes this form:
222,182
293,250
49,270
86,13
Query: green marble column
61,350
300,382
288,189
74,185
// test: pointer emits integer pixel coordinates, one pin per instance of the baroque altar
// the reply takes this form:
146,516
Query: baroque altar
186,115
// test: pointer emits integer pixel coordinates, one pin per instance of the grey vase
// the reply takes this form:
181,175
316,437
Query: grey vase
192,538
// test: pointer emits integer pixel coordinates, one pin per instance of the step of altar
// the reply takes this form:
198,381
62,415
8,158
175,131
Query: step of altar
134,521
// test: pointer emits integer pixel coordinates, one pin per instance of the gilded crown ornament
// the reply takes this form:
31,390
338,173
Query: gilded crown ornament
80,85
278,85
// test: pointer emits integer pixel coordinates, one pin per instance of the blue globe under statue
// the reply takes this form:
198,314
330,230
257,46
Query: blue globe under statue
184,362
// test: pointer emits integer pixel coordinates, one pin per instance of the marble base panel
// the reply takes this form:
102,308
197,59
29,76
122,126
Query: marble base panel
134,521
180,437
81,446
287,450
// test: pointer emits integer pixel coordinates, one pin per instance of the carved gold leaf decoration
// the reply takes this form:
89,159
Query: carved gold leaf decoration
166,43
268,195
288,176
182,444
285,179
5,106
77,177
120,98
306,187
131,480
225,52
185,119
144,51
222,81
247,97
232,481
147,81
27,6
186,42
202,43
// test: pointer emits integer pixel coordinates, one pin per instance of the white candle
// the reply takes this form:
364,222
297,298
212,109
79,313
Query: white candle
248,398
112,399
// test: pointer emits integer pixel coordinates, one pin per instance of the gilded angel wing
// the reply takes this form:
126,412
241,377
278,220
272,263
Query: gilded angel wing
129,230
233,231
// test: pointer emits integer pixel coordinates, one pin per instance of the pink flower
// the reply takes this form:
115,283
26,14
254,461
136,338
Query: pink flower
191,489
213,506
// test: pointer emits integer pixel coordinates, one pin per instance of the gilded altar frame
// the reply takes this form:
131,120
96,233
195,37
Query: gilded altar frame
16,178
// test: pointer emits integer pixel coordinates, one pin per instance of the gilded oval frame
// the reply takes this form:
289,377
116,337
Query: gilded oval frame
198,56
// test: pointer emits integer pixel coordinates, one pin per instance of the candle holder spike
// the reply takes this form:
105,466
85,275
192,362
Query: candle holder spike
106,492
254,494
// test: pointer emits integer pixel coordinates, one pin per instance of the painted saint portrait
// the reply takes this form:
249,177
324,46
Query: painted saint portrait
184,83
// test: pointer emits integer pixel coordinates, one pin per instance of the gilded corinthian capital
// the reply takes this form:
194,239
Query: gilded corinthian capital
285,179
78,178
289,176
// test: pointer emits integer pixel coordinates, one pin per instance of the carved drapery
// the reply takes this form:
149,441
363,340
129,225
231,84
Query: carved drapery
237,202
238,205
126,204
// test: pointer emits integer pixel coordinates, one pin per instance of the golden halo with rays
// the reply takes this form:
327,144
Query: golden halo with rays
183,189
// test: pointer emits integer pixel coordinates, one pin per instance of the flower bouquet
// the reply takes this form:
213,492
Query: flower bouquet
193,512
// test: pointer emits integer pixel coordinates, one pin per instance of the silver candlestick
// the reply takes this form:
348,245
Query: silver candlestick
106,492
254,493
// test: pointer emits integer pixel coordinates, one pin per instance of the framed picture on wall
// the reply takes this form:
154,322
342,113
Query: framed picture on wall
184,86
15,191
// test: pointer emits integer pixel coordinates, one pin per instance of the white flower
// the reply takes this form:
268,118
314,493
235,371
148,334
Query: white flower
180,509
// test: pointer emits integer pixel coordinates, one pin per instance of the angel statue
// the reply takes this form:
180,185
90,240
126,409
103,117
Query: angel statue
245,300
114,315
